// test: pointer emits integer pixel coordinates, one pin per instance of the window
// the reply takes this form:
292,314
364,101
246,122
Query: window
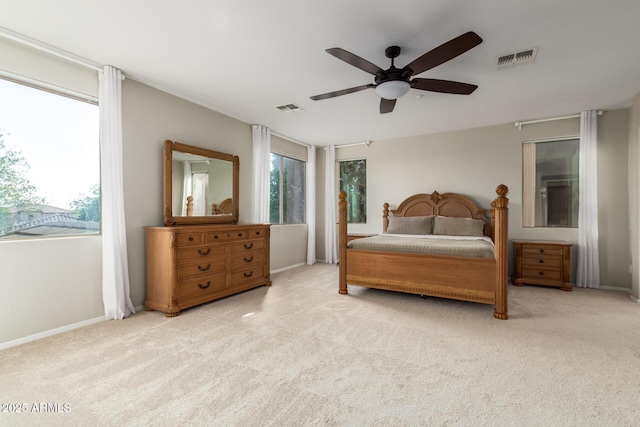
49,164
550,183
287,193
353,181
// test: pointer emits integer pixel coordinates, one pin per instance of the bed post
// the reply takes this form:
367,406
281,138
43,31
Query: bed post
500,220
342,243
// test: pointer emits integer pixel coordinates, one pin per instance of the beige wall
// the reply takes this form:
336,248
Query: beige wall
475,161
48,284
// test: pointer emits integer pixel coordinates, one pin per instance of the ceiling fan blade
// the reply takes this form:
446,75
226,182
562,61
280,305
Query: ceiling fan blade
443,86
445,52
341,92
387,105
354,60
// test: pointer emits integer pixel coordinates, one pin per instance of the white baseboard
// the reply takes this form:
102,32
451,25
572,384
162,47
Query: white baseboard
280,270
57,331
634,299
615,288
51,332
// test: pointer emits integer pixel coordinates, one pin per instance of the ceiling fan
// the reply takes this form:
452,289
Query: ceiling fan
394,82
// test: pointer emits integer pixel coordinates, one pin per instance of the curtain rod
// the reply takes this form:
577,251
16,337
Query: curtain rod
520,124
352,145
28,41
295,141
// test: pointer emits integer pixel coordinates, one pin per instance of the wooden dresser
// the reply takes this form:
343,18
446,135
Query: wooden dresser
542,263
193,264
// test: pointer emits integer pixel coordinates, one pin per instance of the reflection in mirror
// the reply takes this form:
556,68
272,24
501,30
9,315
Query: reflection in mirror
209,182
200,185
550,183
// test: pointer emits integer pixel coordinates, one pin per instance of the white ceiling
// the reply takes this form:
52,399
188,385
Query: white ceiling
245,57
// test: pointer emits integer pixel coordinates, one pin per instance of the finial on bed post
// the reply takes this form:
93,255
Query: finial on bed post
500,223
342,243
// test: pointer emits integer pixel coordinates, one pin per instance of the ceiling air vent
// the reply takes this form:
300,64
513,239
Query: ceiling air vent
289,108
518,58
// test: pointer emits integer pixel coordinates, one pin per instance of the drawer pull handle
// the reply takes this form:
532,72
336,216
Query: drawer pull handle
541,261
191,238
240,234
201,286
257,233
248,274
201,268
201,252
248,259
541,251
249,246
215,237
541,273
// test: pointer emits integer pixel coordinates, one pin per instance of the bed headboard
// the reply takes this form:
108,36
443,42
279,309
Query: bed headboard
447,204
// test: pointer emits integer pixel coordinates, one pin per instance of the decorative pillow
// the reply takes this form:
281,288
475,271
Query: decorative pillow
453,226
410,225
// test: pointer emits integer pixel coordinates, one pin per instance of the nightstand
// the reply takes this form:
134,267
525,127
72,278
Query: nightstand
546,263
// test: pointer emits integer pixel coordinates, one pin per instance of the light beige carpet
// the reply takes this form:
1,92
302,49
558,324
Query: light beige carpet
300,354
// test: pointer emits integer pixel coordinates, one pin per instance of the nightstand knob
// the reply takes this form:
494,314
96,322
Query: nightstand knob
541,251
541,273
541,261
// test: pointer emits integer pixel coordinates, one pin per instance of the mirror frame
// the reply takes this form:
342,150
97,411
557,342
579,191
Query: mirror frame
169,218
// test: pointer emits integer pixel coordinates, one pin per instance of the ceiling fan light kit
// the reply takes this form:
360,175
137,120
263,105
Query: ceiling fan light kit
392,83
392,89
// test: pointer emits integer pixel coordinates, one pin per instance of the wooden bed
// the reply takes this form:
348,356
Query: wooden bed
456,277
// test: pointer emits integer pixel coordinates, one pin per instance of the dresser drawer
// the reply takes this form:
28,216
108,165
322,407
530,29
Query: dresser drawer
537,262
191,254
202,286
541,274
247,246
541,250
239,234
248,260
204,267
190,239
247,276
254,234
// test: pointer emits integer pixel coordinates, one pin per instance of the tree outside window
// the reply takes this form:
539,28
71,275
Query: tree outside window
287,190
353,181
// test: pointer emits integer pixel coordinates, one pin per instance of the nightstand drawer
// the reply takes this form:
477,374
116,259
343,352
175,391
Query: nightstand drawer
541,250
541,274
538,262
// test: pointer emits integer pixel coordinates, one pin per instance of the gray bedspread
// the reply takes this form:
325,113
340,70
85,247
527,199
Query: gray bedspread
478,247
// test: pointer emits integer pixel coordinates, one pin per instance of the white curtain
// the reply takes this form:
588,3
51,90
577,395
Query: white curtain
261,136
588,269
330,248
115,269
311,204
186,184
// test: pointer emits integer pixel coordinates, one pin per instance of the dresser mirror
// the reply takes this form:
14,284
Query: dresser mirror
200,185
